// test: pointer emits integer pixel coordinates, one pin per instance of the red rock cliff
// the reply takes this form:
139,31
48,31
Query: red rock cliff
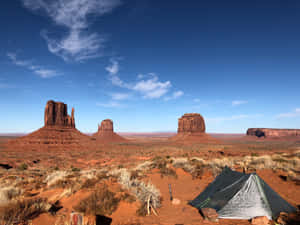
191,123
56,114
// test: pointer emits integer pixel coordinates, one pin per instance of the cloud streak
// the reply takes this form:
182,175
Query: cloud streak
295,113
111,104
238,102
37,69
78,44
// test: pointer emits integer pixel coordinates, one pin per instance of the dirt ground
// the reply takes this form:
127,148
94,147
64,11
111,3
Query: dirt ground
139,149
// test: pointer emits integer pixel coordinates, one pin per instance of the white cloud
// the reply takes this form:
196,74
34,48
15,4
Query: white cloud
196,100
234,117
111,104
152,88
175,95
148,85
238,102
77,45
120,96
113,69
295,113
37,69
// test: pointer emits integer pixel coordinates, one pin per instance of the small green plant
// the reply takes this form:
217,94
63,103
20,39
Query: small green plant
75,169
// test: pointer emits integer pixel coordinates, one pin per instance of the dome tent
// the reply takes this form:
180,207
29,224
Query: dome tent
236,195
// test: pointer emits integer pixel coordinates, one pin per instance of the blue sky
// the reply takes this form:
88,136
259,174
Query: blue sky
144,63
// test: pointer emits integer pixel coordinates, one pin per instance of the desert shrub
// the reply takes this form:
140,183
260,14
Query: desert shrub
89,183
101,202
142,210
23,166
142,191
128,197
64,183
147,165
55,176
166,171
8,193
197,171
20,212
75,169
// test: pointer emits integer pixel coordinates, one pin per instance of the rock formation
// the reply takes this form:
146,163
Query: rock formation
191,129
191,123
273,133
59,131
106,126
106,133
56,114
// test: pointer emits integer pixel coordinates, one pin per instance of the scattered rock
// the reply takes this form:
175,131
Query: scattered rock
260,220
210,214
176,201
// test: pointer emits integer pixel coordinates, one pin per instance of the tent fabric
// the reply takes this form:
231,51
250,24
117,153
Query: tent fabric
237,195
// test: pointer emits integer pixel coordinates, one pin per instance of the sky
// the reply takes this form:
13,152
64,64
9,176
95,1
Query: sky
144,63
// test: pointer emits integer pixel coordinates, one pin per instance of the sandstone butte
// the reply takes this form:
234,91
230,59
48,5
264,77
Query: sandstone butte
274,133
58,132
106,133
191,129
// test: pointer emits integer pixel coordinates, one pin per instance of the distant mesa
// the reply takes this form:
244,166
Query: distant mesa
273,133
191,123
59,131
191,128
106,133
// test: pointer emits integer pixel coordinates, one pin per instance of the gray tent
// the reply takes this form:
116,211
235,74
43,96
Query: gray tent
237,195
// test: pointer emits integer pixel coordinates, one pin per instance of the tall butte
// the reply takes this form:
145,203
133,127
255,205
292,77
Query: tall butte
56,115
106,133
191,129
58,132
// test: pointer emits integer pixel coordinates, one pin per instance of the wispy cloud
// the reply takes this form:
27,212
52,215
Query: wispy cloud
120,96
111,104
148,85
175,95
295,113
78,44
196,100
37,69
238,102
234,117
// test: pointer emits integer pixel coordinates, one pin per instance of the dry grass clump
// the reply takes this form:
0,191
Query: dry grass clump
56,177
101,202
147,194
20,212
8,193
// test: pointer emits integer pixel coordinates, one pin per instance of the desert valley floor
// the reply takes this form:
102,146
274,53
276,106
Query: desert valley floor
64,179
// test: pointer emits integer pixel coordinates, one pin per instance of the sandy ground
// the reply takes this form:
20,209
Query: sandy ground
142,148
